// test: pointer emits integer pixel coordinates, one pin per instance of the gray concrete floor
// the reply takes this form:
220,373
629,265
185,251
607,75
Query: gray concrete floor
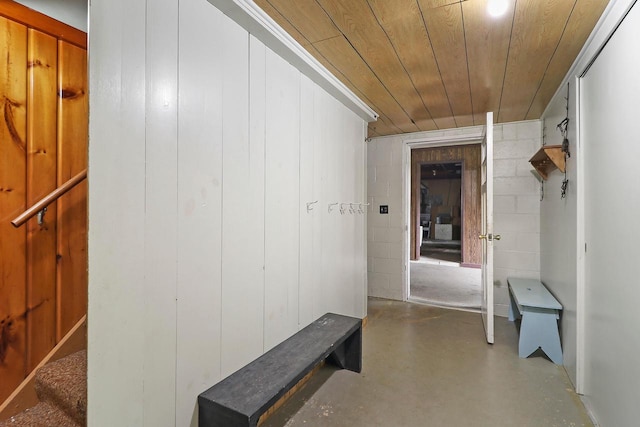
445,286
428,366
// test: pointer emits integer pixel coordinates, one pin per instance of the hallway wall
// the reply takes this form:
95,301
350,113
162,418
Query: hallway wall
205,148
516,208
606,373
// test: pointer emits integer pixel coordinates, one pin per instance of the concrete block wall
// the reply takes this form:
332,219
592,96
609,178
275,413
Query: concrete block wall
516,208
385,232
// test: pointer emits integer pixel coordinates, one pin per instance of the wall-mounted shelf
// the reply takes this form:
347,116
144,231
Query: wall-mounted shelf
548,158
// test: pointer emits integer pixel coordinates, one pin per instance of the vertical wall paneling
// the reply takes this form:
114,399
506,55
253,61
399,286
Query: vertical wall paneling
282,197
116,337
256,225
358,270
320,216
241,285
307,195
609,128
197,257
331,242
201,45
160,222
13,147
41,179
72,207
43,91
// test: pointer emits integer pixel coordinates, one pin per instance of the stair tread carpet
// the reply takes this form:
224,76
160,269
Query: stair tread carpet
41,415
63,384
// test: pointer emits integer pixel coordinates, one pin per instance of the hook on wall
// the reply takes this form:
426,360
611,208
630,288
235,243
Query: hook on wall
310,205
331,205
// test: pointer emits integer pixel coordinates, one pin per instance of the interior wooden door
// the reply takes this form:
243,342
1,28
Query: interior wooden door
487,237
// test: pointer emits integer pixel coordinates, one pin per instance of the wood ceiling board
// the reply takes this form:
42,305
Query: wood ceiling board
283,22
402,21
360,27
381,128
537,28
393,129
446,32
307,17
390,128
341,55
487,41
583,19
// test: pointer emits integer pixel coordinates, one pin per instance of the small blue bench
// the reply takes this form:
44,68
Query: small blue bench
540,311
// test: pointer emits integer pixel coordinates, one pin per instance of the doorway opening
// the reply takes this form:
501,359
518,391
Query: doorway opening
440,206
445,223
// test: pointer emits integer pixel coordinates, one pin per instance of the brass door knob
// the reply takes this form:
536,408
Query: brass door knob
482,236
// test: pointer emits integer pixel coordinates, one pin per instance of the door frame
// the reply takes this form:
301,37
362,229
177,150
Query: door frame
469,136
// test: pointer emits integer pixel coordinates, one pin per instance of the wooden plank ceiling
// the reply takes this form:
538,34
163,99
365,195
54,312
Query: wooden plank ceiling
437,64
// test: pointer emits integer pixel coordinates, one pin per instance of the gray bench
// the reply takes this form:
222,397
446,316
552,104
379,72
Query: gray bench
540,311
242,397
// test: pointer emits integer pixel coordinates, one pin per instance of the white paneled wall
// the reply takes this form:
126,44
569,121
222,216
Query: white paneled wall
516,208
599,361
205,147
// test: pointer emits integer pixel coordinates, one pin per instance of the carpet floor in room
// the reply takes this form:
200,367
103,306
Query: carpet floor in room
445,285
430,366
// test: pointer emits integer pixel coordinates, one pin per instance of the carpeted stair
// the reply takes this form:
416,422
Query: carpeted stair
61,387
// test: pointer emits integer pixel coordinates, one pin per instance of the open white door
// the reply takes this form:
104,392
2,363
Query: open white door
487,237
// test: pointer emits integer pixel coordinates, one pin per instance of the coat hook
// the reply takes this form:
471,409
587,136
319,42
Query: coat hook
331,205
342,208
310,205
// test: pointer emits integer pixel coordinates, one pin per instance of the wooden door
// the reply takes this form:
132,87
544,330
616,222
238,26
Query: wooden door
486,188
43,141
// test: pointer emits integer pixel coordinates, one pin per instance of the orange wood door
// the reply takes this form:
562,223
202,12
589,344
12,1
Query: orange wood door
43,142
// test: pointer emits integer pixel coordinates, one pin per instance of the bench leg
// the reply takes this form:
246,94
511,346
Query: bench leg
348,355
513,311
539,329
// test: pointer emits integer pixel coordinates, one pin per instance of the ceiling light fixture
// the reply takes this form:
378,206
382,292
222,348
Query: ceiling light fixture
497,8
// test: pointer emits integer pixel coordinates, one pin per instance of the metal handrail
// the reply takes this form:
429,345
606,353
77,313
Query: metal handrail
48,199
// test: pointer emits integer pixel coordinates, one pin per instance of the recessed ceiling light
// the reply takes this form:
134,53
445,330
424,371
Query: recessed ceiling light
497,8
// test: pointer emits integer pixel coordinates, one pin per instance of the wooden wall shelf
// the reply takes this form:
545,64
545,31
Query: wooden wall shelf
548,158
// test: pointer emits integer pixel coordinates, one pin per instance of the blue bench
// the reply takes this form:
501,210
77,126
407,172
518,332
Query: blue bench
540,311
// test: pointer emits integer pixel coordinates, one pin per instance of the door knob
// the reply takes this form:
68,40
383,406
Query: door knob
482,236
497,237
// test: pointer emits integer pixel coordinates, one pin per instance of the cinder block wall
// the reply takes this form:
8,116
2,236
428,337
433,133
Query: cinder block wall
516,206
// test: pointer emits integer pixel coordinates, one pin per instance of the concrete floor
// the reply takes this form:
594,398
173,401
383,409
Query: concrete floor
428,366
445,286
